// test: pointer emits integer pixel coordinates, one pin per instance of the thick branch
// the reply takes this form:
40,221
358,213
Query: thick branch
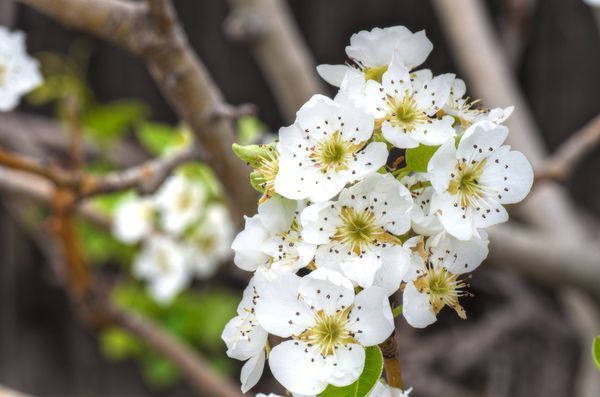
271,31
563,162
180,75
480,56
195,368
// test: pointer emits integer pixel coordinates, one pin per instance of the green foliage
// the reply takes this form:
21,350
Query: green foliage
106,123
596,351
250,154
203,174
249,129
100,247
418,158
367,380
160,139
397,311
195,317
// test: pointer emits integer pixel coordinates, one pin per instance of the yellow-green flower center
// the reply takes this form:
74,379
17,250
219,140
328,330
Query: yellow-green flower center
404,112
334,153
329,332
267,171
465,182
360,230
443,289
375,73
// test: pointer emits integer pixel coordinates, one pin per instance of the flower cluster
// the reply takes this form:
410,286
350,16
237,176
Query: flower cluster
19,73
387,187
182,231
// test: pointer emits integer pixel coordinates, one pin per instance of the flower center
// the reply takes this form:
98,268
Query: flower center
333,153
465,182
405,113
329,332
2,73
360,230
375,73
443,289
185,200
266,173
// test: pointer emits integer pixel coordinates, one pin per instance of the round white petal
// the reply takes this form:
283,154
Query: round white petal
416,307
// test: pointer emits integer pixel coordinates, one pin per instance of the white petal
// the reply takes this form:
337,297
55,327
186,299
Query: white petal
509,173
416,308
252,371
279,311
441,166
362,269
291,366
319,115
414,49
395,264
371,317
277,214
455,219
481,140
350,362
457,256
368,160
248,245
319,222
436,133
333,74
326,290
489,213
398,137
358,124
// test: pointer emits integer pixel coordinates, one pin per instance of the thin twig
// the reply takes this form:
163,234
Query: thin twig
180,75
560,165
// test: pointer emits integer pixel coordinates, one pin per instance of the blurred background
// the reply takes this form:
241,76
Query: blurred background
521,340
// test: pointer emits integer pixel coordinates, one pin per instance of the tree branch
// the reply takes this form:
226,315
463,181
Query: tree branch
272,33
178,72
560,165
470,32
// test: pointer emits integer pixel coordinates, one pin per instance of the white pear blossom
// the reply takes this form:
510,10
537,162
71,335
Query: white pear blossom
134,219
210,241
325,149
329,327
473,181
383,390
180,201
372,51
466,111
423,222
271,242
405,106
246,339
358,234
19,73
162,263
433,278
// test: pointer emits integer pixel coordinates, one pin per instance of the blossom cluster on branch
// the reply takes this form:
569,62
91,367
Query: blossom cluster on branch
183,233
387,187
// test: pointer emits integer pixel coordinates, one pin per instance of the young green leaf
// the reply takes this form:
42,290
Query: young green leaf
418,158
596,351
106,123
367,380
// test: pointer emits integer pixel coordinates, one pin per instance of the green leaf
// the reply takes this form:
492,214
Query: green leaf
418,158
397,311
158,372
108,122
159,138
117,344
596,351
100,247
367,380
249,128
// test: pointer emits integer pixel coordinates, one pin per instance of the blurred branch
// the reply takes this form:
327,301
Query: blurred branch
269,28
479,54
178,72
5,392
560,165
